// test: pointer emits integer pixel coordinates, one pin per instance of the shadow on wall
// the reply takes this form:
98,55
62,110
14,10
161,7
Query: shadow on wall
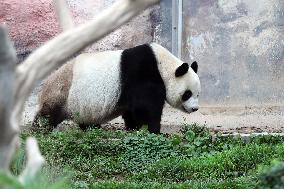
240,47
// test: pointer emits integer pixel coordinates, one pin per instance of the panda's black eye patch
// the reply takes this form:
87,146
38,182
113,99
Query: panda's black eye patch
186,95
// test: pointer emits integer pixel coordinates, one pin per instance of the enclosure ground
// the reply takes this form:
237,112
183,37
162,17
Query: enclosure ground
99,158
241,119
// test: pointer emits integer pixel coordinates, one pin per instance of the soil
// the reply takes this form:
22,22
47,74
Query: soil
227,119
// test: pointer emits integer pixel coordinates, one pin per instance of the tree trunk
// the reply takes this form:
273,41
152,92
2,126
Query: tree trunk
17,82
8,134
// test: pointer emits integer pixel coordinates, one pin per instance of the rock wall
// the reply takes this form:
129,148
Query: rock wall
240,47
31,23
238,43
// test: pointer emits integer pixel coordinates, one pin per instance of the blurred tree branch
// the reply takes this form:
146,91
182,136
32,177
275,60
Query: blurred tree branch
17,82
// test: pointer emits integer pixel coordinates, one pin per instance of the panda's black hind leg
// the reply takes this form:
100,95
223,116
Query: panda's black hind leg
49,117
44,121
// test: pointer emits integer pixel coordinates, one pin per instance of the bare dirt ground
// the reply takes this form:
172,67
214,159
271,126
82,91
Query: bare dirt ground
226,119
236,119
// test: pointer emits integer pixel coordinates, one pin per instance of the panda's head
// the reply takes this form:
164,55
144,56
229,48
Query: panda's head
185,88
181,80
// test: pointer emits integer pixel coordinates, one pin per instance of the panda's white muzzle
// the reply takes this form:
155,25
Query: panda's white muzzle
191,105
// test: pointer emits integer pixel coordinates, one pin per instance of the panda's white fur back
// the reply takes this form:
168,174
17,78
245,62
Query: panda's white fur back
95,87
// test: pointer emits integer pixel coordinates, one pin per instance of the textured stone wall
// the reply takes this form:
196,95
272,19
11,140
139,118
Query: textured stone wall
240,47
31,23
238,43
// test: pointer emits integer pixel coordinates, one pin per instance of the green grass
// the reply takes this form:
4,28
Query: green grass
116,159
47,178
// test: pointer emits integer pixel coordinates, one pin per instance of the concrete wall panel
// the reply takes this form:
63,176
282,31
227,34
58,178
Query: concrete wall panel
240,47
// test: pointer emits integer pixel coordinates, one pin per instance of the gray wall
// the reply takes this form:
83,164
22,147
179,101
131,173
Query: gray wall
238,43
165,24
240,47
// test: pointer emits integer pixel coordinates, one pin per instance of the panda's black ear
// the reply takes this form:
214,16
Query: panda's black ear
181,70
194,66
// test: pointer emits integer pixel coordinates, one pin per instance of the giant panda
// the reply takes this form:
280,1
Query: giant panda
135,83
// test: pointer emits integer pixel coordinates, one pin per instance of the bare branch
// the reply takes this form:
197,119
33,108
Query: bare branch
63,14
8,131
16,83
57,51
34,160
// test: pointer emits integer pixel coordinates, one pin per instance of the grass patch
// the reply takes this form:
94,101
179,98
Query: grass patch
234,163
116,159
47,178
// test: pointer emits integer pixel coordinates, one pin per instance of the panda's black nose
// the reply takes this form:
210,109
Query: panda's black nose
194,109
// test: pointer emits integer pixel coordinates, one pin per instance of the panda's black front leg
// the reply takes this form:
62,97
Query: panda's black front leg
130,122
85,127
154,127
150,116
145,107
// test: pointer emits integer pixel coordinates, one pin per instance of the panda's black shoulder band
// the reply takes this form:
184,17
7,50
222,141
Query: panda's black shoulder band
181,70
